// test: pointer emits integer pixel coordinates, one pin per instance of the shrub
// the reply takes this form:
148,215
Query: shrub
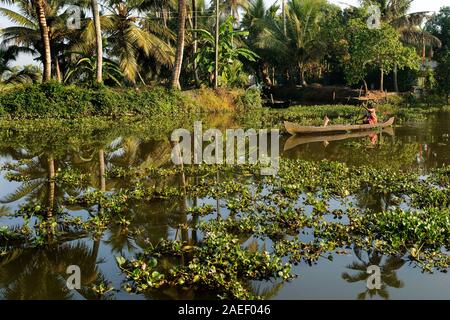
249,101
54,100
211,100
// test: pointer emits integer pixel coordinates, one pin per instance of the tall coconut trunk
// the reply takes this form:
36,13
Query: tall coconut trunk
98,40
216,48
47,58
195,23
175,83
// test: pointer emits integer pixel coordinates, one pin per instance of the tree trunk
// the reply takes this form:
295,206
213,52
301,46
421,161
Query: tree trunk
216,48
58,70
98,40
51,184
424,49
302,75
47,58
366,87
175,83
382,80
194,17
101,173
265,74
396,78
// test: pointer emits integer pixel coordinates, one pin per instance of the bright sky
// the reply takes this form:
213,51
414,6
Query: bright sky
418,5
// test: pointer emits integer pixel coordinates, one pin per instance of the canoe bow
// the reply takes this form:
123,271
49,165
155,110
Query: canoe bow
294,128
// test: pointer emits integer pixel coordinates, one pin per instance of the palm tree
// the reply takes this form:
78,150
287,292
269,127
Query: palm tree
98,40
40,273
85,70
300,45
175,83
255,20
40,185
40,7
21,75
14,75
128,38
28,34
231,7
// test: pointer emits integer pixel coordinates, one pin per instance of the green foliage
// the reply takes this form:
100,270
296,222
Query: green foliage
231,54
249,102
376,49
56,100
439,26
84,70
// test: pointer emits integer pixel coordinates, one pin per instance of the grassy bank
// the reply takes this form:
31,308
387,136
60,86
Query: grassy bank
54,100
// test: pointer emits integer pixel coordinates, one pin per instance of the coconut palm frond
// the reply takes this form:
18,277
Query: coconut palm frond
17,18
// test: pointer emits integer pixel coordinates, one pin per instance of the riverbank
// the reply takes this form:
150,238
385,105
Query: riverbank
54,100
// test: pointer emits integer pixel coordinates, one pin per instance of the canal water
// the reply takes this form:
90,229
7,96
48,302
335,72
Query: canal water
40,272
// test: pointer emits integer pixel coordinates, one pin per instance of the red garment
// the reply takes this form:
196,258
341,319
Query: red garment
372,118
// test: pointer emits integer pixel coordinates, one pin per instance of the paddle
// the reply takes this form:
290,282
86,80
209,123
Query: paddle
360,107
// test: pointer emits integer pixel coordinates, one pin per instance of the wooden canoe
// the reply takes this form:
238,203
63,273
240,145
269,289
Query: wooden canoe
294,128
297,140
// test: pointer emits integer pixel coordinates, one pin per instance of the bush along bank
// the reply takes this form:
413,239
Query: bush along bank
54,100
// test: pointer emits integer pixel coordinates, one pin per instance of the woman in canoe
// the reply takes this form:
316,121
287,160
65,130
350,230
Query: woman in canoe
372,116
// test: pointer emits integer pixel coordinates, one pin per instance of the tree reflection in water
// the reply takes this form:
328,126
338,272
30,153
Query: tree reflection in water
388,265
40,273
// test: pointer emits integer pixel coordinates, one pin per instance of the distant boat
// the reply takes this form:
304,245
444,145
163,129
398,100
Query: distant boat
294,128
277,104
297,140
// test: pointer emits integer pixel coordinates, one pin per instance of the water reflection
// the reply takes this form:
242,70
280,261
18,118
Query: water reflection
30,273
415,146
47,159
388,265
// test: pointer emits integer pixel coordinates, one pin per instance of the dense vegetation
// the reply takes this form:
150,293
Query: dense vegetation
55,100
76,176
147,43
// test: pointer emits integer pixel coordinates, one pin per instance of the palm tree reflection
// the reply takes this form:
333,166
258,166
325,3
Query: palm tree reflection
40,273
388,265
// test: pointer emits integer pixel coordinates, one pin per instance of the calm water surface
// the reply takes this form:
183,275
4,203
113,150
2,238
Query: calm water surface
39,273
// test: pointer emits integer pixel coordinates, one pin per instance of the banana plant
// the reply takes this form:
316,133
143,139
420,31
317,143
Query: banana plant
231,52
